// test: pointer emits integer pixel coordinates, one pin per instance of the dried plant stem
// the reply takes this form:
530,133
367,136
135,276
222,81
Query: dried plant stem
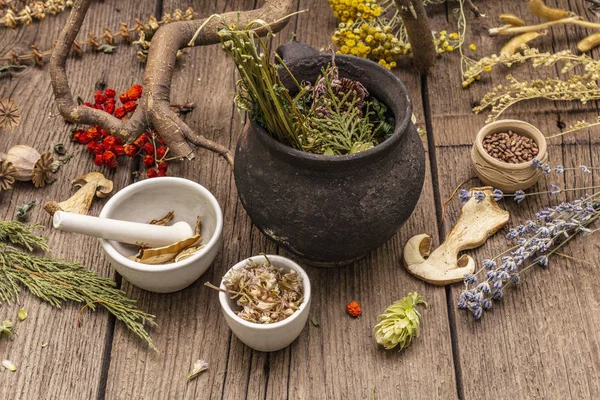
155,106
109,39
515,30
419,34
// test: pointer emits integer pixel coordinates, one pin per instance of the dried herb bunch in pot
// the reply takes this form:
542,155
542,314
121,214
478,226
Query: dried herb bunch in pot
331,116
265,294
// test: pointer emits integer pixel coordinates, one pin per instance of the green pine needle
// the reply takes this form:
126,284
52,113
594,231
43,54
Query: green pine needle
56,281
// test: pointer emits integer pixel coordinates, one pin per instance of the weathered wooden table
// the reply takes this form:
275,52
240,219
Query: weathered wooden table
542,342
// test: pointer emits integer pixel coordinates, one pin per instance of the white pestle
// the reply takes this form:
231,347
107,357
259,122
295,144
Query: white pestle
122,231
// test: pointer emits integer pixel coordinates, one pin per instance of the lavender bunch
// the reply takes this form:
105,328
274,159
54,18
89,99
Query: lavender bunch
535,242
519,195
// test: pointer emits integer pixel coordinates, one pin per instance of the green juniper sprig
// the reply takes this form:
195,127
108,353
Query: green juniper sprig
56,281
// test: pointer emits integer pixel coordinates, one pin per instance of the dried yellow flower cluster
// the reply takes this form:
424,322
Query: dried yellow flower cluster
364,32
370,40
352,10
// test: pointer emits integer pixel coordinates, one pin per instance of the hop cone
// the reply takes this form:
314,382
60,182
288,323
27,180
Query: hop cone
399,323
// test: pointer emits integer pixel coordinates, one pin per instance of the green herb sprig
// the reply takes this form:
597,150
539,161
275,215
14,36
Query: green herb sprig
56,281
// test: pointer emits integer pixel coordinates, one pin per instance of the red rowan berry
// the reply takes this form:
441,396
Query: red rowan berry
120,112
148,160
148,148
151,173
130,150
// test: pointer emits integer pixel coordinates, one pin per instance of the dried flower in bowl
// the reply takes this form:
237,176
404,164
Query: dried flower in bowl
265,294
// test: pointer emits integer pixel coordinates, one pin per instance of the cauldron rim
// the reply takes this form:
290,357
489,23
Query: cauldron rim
343,61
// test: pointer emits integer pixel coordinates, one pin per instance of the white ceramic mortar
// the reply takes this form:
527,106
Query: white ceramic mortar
268,337
152,199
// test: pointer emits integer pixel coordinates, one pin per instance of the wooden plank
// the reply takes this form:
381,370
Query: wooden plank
540,341
71,366
190,321
340,360
236,371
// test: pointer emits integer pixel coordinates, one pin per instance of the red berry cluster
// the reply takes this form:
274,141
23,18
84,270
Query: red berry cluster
106,148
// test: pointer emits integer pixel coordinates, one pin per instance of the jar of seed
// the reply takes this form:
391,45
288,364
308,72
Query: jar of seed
503,151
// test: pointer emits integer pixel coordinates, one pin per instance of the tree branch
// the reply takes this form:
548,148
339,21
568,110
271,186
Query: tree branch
419,33
154,107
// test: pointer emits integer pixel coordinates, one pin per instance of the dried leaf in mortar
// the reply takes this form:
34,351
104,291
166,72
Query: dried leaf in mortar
187,253
161,255
164,220
198,225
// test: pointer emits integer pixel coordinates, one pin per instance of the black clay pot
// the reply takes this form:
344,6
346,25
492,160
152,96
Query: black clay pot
331,210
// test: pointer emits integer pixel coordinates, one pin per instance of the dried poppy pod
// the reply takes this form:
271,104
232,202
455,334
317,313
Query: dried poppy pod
30,165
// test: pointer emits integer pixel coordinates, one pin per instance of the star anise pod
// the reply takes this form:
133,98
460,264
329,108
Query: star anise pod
43,169
7,175
10,116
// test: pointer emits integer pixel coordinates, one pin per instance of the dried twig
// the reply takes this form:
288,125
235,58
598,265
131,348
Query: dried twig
418,30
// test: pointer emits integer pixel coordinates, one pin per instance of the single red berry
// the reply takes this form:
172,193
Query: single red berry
160,152
112,164
111,100
95,148
163,166
148,148
123,98
110,142
118,150
98,160
108,156
160,140
99,97
148,160
89,137
104,133
151,173
84,138
110,93
98,106
141,140
109,108
130,150
134,92
120,112
87,104
95,132
130,106
353,308
162,173
78,134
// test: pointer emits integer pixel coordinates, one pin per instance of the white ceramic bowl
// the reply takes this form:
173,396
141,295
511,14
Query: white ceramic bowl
268,337
154,198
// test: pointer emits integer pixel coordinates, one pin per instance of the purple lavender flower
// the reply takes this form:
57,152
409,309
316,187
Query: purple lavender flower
479,196
487,304
470,279
484,287
544,167
498,195
541,260
585,169
489,264
554,189
464,196
519,196
515,278
559,169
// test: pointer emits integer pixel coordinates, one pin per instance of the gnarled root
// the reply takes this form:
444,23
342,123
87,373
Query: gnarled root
154,111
